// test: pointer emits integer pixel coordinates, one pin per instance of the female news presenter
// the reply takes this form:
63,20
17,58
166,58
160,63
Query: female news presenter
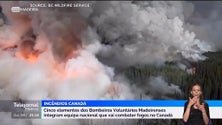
196,110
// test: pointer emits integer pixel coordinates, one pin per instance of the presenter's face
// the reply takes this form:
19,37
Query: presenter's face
196,91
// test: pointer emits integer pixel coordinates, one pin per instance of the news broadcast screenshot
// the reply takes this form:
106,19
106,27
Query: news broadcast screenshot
110,63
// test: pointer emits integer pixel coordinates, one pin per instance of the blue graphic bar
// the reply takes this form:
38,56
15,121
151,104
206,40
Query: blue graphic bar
122,103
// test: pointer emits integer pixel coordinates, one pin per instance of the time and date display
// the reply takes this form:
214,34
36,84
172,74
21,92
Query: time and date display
25,115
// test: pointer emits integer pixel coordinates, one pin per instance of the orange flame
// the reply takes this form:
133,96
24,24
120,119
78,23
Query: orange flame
32,58
60,69
113,89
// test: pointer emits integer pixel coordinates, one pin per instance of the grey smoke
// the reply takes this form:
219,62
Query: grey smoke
159,88
206,22
135,34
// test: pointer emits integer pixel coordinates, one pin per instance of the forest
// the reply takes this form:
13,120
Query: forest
208,73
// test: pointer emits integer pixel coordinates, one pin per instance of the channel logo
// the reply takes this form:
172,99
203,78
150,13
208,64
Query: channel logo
23,9
15,9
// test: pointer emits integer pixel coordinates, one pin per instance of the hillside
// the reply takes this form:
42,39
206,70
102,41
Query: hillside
208,74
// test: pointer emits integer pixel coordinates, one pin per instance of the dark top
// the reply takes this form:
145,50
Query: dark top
196,117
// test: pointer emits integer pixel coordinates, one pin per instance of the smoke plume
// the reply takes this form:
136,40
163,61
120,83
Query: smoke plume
135,34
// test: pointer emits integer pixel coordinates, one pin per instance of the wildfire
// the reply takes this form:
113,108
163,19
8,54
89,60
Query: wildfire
25,51
113,89
30,57
60,68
